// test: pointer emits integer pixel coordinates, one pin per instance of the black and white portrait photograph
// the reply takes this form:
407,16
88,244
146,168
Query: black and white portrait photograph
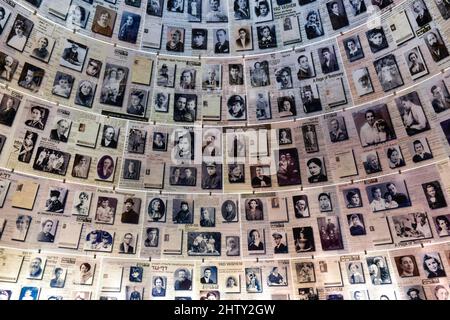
48,230
27,147
284,136
161,102
106,210
286,106
244,37
114,85
337,129
371,162
136,141
325,202
421,13
310,138
253,280
262,101
175,38
277,276
439,96
211,77
235,74
184,144
204,243
183,176
136,273
81,203
442,223
416,63
176,6
62,84
313,25
355,272
137,102
81,166
155,8
156,210
406,266
182,211
128,243
194,10
152,238
330,233
159,141
36,267
211,176
21,227
387,196
306,69
208,275
94,67
444,8
411,226
8,66
388,72
395,157
436,45
288,167
260,176
301,206
420,149
185,107
31,77
216,11
52,161
232,246
353,48
305,272
56,200
279,243
73,56
241,9
77,17
337,14
187,78
42,47
434,194
378,270
310,98
236,173
304,239
356,224
29,293
110,137
221,41
284,78
432,265
98,240
374,125
20,32
199,39
84,96
259,74
104,21
229,211
5,13
377,39
131,169
262,11
362,81
317,171
207,217
267,37
237,108
412,113
328,59
106,167
129,27
8,109
256,241
254,209
58,279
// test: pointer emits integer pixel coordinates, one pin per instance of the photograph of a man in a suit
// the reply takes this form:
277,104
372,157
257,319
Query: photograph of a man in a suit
61,132
125,246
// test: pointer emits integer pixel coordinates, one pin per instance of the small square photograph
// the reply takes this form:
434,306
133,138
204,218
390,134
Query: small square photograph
356,224
236,173
253,280
216,11
414,293
433,266
77,17
221,41
262,10
36,267
187,78
22,225
256,241
439,96
131,169
235,74
279,242
56,200
4,188
81,166
420,149
98,240
378,270
387,196
229,211
310,138
8,66
316,170
377,39
434,194
207,217
161,102
159,286
166,75
288,172
48,230
155,8
388,73
27,147
337,14
58,279
159,141
129,27
304,239
134,292
395,157
106,167
328,59
267,37
94,67
175,38
128,243
416,63
103,21
152,238
212,77
355,272
313,25
362,81
81,203
31,77
136,141
301,206
411,226
237,108
110,136
353,48
305,272
325,203
406,266
20,33
284,136
310,98
136,274
306,68
85,93
413,116
5,13
254,209
182,211
260,176
337,129
211,175
241,9
106,210
263,110
208,275
259,74
232,246
137,102
371,162
114,85
29,293
62,84
244,37
42,47
52,161
330,233
284,78
185,107
85,272
353,198
286,106
131,211
204,243
73,55
199,39
374,125
442,224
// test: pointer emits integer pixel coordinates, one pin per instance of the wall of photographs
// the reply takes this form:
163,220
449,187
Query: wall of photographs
281,150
